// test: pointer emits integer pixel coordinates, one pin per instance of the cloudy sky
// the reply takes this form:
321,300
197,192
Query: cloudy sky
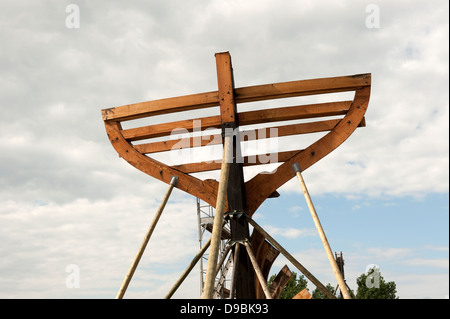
69,205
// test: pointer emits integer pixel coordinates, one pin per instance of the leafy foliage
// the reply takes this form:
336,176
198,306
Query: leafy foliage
293,287
370,286
373,286
317,294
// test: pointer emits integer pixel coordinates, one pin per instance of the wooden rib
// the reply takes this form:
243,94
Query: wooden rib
262,186
249,135
205,190
169,145
294,112
248,161
244,94
265,255
280,282
301,88
178,127
245,118
163,106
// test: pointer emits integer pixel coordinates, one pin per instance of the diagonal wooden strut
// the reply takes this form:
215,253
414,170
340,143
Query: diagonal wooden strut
289,257
258,271
126,282
323,237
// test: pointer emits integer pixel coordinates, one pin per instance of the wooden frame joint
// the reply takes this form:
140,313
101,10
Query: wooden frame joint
296,167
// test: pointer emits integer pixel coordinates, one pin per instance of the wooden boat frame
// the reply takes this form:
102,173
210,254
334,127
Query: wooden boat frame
242,197
262,185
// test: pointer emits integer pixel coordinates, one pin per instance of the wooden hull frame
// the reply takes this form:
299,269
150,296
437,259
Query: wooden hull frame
243,198
261,186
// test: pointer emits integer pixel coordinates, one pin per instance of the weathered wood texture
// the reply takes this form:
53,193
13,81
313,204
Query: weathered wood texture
265,255
304,294
236,188
280,281
242,95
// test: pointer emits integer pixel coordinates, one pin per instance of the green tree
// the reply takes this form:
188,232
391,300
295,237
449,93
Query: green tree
317,294
293,287
373,286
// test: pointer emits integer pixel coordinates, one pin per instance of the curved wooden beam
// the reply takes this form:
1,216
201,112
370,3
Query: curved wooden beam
205,190
262,185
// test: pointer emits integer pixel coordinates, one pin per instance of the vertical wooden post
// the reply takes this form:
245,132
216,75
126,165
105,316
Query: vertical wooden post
216,235
126,282
237,205
323,237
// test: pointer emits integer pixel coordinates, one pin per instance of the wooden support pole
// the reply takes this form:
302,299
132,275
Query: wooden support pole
208,290
323,237
289,257
188,269
137,258
235,269
258,271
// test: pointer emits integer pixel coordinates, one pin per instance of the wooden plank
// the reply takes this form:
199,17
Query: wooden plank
241,95
304,294
302,88
162,106
178,127
163,146
226,87
260,159
280,281
245,118
248,135
294,112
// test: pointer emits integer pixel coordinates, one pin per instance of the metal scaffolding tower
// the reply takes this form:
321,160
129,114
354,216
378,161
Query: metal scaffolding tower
205,217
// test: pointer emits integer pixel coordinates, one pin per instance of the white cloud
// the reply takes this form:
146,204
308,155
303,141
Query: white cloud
68,199
414,279
101,237
289,232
